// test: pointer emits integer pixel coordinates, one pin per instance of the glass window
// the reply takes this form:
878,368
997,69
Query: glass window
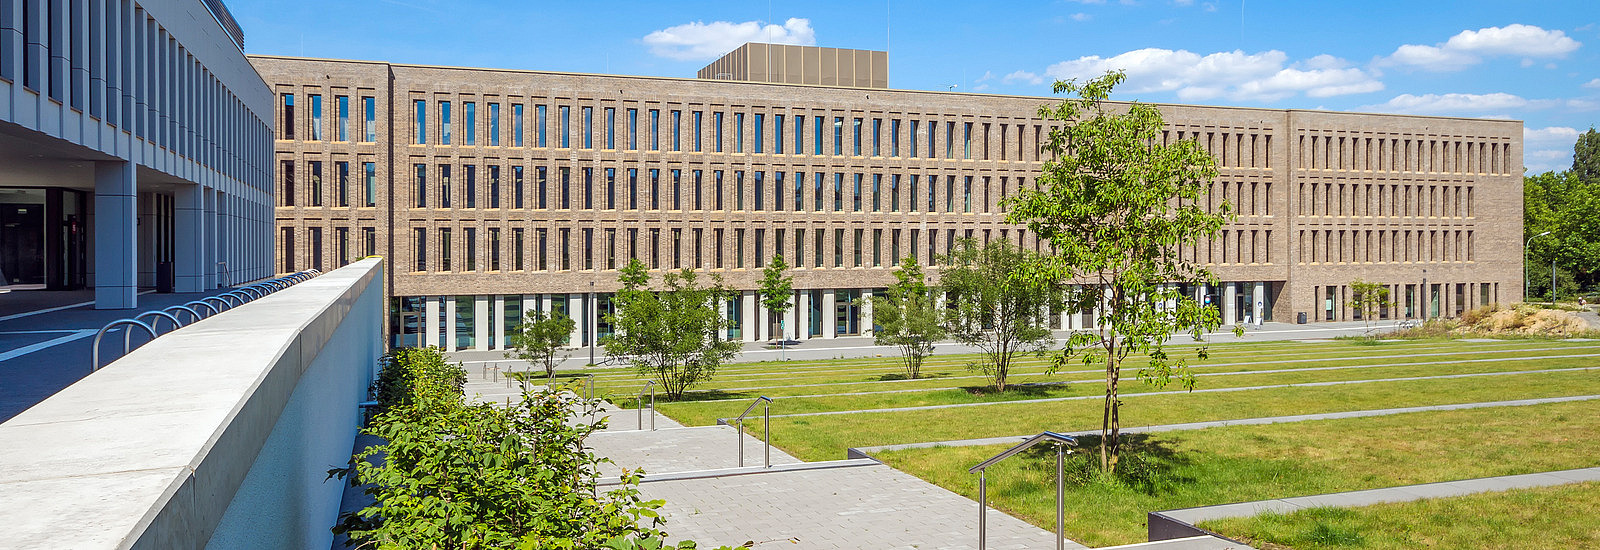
894,193
949,139
856,136
738,132
370,185
838,191
966,142
316,117
420,120
655,129
967,195
465,324
877,190
566,186
894,138
816,192
760,134
799,134
342,104
856,195
760,188
494,186
838,135
494,124
677,120
856,250
444,249
517,173
633,129
342,183
697,134
738,190
877,131
816,138
565,115
777,194
588,127
420,240
777,134
912,193
716,184
444,186
611,188
611,127
677,190
369,126
799,191
420,174
838,248
444,123
316,182
716,132
913,149
516,125
698,193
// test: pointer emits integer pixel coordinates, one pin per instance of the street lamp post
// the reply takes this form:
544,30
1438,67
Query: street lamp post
1526,284
592,314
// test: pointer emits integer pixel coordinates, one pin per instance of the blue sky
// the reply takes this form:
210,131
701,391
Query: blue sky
1530,60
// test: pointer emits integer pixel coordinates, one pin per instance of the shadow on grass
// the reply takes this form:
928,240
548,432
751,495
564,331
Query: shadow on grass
1147,464
901,376
709,395
1021,391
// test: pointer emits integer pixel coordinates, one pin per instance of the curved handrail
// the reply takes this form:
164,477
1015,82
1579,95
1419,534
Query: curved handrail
211,310
193,315
1062,441
176,324
766,429
94,364
649,385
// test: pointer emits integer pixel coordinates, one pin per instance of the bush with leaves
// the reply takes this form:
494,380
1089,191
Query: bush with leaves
671,335
907,318
452,475
539,340
995,306
411,375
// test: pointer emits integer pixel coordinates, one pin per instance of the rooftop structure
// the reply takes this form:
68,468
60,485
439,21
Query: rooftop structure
790,64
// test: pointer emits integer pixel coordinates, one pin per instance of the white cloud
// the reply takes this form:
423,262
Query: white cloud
1554,135
987,75
1264,76
1468,48
703,41
1023,76
1080,16
1449,103
1547,149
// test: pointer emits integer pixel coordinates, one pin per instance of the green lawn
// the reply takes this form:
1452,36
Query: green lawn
1245,463
1550,517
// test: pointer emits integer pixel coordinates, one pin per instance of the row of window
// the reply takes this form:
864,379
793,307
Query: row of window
1405,155
337,126
1386,246
317,189
149,85
656,189
349,244
1356,199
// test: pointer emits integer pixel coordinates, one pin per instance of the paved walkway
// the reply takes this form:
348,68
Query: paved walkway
1239,422
1406,493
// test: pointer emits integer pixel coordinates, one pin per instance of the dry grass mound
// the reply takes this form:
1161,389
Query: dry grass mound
1520,320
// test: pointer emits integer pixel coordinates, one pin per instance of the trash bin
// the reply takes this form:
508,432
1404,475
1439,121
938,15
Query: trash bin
1300,318
164,277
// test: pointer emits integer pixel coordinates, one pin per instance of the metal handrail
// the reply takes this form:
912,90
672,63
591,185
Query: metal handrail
766,429
1062,441
649,385
94,364
176,324
588,387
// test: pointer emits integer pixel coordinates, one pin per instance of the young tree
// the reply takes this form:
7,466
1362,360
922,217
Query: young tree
776,290
995,306
672,335
1370,299
539,339
1586,157
907,317
1117,205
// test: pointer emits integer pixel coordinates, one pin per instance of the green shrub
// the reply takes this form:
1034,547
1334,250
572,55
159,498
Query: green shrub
410,375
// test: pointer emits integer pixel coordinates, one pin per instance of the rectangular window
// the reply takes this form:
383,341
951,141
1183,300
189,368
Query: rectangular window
633,129
877,248
877,192
894,138
799,134
316,117
716,184
566,116
342,105
343,238
760,190
838,248
911,192
471,248
494,186
369,125
697,134
838,135
420,244
857,249
633,189
877,131
420,121
717,245
838,192
517,248
800,248
655,129
761,237
611,189
494,126
855,195
699,237
494,249
472,187
777,194
517,185
760,134
611,127
541,182
949,139
611,249
566,188
655,189
799,191
341,184
738,132
894,192
286,196
912,151
966,142
677,121
444,249
316,182
444,186
856,132
369,185
588,127
444,123
816,191
816,137
517,125
816,249
420,175
738,249
966,196
716,132
677,189
698,193
738,190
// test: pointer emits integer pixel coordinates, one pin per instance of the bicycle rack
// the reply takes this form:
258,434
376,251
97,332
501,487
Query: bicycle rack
210,309
766,429
193,315
1062,442
649,386
95,355
159,315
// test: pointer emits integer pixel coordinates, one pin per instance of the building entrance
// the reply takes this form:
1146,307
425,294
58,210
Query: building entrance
42,238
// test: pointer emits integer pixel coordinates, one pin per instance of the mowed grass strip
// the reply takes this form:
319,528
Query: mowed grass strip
1247,463
699,413
1566,516
826,437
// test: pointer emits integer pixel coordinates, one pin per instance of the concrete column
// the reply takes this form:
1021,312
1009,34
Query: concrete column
722,311
830,318
1259,299
866,312
791,319
116,236
430,321
574,310
190,239
1230,304
449,305
752,318
802,314
497,312
214,242
480,322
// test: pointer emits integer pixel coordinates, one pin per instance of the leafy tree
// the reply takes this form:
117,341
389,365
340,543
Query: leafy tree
672,335
1116,205
995,306
776,290
408,376
1370,299
539,339
907,318
1564,205
452,475
1586,157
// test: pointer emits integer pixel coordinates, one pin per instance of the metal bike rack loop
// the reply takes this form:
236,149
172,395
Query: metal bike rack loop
160,314
1062,442
210,309
193,315
649,386
766,429
95,355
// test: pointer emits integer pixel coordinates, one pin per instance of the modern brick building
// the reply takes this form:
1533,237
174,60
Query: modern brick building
496,191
